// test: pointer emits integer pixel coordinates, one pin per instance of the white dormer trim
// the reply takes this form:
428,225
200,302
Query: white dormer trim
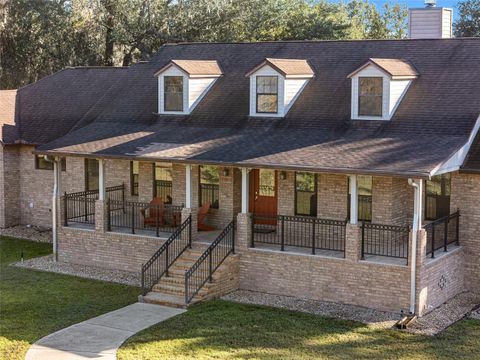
394,89
195,87
289,89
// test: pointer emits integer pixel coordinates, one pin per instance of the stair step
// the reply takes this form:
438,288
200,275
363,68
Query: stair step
164,299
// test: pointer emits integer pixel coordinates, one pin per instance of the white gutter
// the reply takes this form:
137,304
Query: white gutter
416,226
56,191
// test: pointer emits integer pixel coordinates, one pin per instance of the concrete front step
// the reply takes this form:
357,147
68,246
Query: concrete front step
164,299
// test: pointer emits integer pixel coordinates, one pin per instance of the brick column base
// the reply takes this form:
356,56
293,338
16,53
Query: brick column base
186,212
353,242
243,234
421,290
100,216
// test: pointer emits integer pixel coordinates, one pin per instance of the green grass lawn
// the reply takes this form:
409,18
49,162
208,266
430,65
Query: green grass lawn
225,330
34,304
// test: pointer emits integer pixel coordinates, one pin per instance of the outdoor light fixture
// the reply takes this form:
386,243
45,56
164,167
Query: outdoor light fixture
283,175
226,172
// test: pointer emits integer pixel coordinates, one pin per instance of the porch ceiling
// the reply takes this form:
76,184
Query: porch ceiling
349,149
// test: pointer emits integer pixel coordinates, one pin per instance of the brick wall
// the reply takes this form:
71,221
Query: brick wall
9,185
391,200
465,194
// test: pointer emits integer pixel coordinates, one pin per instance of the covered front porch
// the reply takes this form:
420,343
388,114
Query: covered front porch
297,212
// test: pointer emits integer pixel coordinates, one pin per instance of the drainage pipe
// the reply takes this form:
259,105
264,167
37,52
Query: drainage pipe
417,219
56,192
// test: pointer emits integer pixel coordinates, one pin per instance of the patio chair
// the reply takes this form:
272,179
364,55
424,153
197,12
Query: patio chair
155,213
202,214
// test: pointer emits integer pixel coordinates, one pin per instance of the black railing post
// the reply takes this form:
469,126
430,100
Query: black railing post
133,218
433,240
157,215
445,235
313,237
233,238
166,260
109,224
363,240
190,231
65,209
282,219
186,287
408,241
457,230
123,197
210,266
253,231
85,207
143,279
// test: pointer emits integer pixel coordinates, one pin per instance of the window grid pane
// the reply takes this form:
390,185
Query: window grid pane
370,96
267,94
173,93
305,194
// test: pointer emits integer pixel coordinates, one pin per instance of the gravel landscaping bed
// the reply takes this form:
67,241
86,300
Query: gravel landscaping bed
375,318
34,233
445,315
46,263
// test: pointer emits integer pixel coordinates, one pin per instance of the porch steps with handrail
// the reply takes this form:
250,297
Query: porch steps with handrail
174,290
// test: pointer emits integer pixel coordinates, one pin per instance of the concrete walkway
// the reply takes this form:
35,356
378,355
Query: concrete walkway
100,337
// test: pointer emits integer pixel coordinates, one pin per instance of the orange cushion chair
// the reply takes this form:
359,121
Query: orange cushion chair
155,213
202,214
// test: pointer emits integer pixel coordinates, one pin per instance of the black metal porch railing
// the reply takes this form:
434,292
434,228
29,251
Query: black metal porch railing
203,269
209,193
385,240
443,232
159,264
163,190
134,216
79,207
299,231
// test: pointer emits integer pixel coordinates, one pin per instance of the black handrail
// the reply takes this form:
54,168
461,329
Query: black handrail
202,271
445,225
385,240
80,206
160,262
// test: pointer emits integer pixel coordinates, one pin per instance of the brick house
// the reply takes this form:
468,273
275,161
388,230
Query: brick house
344,171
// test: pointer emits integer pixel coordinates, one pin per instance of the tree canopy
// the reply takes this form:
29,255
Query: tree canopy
39,37
468,23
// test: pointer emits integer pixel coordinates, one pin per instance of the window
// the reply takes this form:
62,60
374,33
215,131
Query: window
91,174
173,93
267,94
370,95
134,169
162,183
266,182
42,164
209,185
364,193
305,194
437,197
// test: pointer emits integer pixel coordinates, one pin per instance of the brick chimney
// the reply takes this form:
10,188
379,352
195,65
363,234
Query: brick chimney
430,22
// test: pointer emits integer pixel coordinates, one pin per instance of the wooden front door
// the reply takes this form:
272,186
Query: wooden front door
263,192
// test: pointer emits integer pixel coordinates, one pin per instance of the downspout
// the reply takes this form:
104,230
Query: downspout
415,228
54,204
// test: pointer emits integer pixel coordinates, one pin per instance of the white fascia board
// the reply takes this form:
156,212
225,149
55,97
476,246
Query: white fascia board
456,160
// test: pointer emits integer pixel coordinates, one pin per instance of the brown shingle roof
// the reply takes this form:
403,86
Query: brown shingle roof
317,133
195,67
286,67
394,67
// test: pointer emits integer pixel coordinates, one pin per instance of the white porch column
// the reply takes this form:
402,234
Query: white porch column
188,186
57,191
353,200
101,179
245,190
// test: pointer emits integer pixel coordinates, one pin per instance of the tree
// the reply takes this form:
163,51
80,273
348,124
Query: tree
468,23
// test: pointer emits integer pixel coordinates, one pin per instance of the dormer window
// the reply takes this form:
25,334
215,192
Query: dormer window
370,96
267,94
173,87
378,87
275,84
182,84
